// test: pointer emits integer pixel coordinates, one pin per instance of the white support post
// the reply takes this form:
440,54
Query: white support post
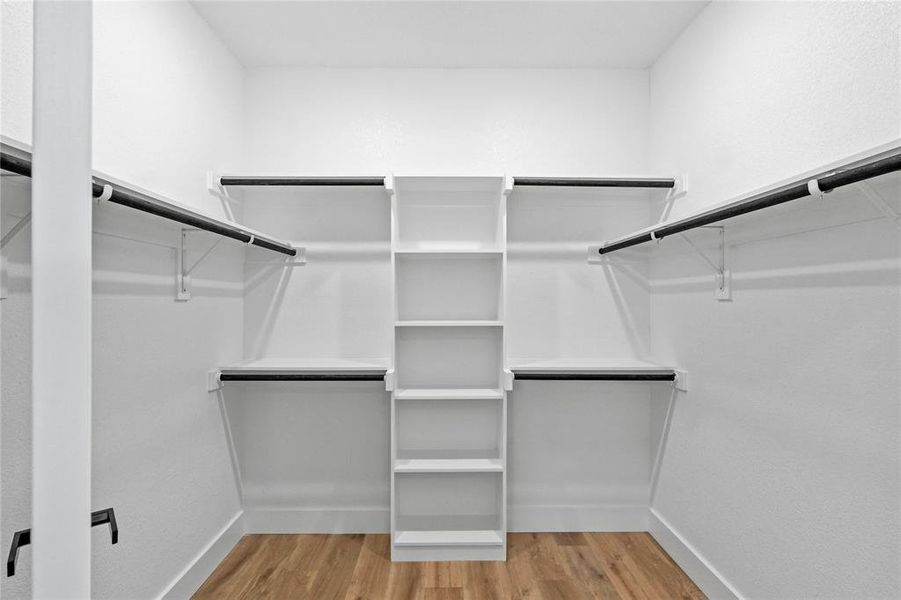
61,260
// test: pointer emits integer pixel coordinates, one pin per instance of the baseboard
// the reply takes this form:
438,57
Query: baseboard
520,519
317,520
528,518
206,561
711,582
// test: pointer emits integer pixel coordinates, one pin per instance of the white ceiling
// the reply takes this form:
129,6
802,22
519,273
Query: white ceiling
439,33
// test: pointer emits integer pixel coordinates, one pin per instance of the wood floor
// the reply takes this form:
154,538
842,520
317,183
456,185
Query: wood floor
545,566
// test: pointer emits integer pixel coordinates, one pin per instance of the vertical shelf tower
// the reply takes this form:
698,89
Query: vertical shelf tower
449,399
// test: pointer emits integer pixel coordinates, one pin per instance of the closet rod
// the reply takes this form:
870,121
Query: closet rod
851,173
303,181
18,161
557,376
308,376
635,182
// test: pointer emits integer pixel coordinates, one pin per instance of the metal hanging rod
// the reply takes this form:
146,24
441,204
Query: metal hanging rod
854,172
18,160
23,536
589,376
302,181
633,182
374,375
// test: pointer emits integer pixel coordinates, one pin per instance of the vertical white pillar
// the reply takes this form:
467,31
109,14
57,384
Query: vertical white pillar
61,262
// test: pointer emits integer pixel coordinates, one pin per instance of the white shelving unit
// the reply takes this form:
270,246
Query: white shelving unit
449,405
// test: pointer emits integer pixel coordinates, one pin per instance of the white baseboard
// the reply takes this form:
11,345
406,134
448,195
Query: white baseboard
192,577
520,519
525,518
711,582
317,520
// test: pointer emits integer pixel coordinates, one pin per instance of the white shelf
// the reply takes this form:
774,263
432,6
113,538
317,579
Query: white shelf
444,250
449,357
483,537
596,366
449,394
300,365
451,287
448,183
448,465
448,323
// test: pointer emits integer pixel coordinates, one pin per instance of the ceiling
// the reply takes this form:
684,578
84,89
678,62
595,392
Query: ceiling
438,33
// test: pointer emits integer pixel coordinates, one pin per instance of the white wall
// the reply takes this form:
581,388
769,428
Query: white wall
167,106
517,121
317,448
458,121
782,465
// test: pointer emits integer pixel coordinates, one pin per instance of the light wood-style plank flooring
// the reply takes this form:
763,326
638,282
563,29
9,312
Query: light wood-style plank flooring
539,566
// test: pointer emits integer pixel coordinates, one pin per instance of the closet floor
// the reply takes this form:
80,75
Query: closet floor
542,566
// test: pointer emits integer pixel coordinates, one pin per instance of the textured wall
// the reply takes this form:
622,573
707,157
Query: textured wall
782,467
444,121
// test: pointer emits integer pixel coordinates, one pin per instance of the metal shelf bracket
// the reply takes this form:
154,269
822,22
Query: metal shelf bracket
879,202
183,271
722,273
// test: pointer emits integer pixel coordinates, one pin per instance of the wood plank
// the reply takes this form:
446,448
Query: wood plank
369,580
539,566
659,570
625,577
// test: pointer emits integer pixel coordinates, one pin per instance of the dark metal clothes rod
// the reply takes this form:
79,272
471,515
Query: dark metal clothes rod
588,376
639,182
19,162
793,191
303,181
307,376
23,537
15,164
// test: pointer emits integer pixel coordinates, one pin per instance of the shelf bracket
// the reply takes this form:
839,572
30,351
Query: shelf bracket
679,189
722,274
680,382
14,230
879,202
183,271
23,537
214,186
6,239
213,383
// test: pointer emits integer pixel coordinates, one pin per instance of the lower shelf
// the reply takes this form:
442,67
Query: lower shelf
448,393
449,465
483,537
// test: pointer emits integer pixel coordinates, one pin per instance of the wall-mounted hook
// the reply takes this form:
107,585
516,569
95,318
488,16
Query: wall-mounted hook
23,537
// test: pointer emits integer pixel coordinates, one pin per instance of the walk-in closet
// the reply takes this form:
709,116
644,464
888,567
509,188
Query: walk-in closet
421,300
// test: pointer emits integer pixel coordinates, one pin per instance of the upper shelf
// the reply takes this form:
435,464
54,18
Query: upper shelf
296,180
873,163
304,369
591,370
448,213
15,157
